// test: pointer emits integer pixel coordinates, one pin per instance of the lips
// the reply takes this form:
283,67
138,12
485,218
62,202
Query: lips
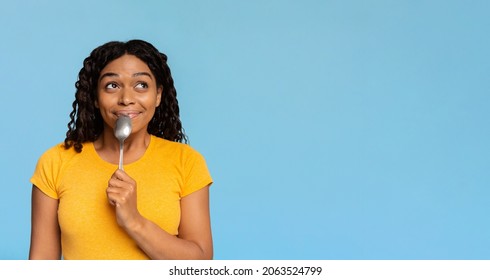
131,114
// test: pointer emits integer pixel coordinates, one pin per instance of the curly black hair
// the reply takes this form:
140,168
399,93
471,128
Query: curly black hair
86,123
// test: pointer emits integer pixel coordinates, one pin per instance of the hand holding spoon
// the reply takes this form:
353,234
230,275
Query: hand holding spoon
122,131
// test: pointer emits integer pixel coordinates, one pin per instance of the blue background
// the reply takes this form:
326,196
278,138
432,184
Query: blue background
333,129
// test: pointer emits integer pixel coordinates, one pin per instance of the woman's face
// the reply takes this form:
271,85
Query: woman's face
126,86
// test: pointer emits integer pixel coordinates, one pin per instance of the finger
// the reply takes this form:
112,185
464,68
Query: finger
121,175
121,188
120,180
121,195
112,199
115,183
117,175
113,193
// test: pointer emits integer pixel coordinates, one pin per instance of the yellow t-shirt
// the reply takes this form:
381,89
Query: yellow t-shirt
166,172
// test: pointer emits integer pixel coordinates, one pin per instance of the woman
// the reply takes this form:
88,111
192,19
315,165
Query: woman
84,207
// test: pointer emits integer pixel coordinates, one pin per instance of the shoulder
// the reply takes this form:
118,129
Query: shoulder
59,151
189,163
176,148
50,166
58,155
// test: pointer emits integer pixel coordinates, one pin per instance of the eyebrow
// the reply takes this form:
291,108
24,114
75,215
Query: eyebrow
111,74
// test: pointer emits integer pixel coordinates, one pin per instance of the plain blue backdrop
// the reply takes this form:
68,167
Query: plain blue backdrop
342,129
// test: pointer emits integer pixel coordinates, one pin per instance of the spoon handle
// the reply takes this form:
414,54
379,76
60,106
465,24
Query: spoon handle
121,151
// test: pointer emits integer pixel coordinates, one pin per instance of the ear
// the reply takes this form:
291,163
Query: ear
159,96
96,103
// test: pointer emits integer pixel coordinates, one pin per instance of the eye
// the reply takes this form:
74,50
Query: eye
141,85
111,86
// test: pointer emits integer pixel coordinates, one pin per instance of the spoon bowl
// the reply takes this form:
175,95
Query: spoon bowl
122,130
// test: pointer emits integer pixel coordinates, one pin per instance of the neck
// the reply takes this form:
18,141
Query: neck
107,146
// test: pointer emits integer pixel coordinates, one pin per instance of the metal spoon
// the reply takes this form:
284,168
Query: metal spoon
122,131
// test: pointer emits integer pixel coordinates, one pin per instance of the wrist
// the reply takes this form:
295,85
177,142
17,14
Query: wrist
134,225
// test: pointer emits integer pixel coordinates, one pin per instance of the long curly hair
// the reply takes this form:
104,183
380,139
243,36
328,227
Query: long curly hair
86,123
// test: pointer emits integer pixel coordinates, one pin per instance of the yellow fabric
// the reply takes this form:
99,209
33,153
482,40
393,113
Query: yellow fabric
167,172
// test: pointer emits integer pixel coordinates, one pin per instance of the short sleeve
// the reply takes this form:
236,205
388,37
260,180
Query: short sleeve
196,173
46,173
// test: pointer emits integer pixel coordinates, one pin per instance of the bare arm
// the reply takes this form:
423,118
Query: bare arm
45,230
194,240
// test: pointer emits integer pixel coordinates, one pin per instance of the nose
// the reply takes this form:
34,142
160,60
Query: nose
125,97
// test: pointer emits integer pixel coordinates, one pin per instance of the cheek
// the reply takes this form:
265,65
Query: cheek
105,101
150,101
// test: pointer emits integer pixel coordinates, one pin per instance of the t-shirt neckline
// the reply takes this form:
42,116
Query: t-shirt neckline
95,155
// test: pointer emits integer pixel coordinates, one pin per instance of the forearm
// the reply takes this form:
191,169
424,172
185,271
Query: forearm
159,244
194,240
46,253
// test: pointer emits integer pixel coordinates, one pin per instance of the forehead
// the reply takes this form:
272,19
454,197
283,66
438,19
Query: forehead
126,65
